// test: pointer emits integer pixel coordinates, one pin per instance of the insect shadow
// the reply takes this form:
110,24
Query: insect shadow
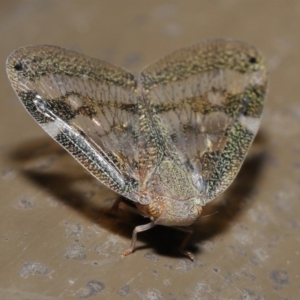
47,165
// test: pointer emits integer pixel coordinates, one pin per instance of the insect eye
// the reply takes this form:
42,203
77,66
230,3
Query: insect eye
156,209
18,67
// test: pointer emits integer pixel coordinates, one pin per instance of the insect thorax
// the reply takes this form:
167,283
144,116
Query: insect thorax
173,199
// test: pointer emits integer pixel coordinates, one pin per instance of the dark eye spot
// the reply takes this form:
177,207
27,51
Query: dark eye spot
252,60
18,67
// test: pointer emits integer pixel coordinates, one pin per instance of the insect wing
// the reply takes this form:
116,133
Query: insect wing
86,105
209,98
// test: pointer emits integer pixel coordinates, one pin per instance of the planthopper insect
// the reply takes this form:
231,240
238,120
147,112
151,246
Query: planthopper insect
170,140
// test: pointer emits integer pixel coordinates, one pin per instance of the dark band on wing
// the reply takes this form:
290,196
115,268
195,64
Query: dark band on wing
249,102
103,168
228,163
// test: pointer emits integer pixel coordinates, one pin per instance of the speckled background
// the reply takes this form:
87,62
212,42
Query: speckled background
58,240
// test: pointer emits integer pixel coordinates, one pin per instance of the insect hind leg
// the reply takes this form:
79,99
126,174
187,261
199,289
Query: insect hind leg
182,248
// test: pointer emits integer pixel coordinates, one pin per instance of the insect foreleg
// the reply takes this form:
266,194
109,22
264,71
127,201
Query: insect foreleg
134,236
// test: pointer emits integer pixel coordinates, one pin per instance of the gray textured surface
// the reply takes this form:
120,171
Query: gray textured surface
57,239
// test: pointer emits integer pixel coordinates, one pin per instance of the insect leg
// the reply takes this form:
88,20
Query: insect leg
134,236
120,204
189,231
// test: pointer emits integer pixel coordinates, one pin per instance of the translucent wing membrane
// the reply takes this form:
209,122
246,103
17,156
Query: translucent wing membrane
209,100
88,106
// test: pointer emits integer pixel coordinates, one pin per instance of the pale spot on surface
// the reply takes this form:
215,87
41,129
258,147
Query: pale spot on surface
24,203
75,252
93,287
34,268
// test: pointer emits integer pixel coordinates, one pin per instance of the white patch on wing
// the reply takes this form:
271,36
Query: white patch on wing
74,101
250,123
52,128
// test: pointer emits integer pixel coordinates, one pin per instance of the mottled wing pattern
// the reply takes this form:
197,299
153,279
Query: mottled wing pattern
209,99
88,106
